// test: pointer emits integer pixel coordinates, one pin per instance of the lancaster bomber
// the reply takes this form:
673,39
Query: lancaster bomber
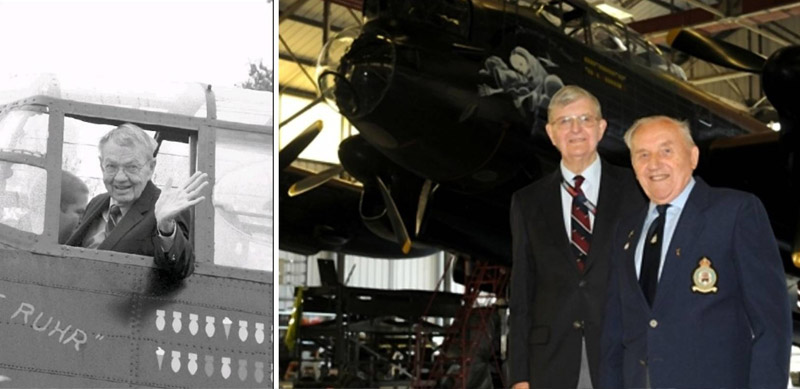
450,100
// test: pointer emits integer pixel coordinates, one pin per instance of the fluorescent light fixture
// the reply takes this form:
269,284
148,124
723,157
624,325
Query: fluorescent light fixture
615,12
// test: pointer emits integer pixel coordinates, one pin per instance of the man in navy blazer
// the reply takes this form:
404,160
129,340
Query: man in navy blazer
557,303
708,308
134,216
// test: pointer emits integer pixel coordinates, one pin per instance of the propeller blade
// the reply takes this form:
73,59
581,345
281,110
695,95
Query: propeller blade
398,226
297,145
423,203
314,181
715,51
781,76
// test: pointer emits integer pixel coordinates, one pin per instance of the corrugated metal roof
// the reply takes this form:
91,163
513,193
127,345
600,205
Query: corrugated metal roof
644,10
302,33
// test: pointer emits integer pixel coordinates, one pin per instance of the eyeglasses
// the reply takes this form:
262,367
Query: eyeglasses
130,170
566,122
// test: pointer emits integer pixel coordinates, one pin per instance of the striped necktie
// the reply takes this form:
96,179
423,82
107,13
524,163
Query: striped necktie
581,226
114,214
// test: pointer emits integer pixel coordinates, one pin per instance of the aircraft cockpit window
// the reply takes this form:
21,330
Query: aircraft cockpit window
243,200
553,13
22,195
642,53
448,15
608,38
80,153
23,178
80,160
646,54
25,128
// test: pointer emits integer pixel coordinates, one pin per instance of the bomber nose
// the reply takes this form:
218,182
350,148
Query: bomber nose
355,69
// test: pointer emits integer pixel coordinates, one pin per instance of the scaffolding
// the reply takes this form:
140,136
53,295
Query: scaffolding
472,327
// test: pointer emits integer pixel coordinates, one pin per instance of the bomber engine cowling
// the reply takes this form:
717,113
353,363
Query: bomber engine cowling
388,77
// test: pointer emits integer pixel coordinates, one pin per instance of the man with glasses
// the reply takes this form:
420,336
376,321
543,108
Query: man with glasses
134,216
561,227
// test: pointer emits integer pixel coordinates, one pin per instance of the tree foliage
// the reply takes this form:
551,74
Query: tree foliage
260,78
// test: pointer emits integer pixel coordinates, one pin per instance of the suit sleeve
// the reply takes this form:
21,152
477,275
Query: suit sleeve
765,296
521,294
610,374
178,261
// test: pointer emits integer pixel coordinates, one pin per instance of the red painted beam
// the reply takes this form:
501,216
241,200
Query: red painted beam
667,22
697,16
750,6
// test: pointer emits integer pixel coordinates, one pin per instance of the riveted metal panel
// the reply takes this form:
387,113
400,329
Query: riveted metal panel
99,324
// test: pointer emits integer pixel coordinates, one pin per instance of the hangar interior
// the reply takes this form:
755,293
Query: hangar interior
380,350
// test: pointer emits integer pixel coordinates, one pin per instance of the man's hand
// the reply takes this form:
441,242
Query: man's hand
173,201
521,385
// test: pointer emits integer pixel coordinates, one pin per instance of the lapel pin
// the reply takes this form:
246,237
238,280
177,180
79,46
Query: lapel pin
678,252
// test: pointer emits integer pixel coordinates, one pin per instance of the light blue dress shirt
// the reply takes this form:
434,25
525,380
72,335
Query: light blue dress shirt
673,216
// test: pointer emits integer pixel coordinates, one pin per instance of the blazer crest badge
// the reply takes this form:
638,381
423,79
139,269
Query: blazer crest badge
704,277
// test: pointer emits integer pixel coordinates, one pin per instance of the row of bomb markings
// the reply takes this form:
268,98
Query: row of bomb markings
210,326
210,367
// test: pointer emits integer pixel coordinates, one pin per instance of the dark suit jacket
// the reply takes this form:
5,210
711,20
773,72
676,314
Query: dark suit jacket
738,337
552,303
137,233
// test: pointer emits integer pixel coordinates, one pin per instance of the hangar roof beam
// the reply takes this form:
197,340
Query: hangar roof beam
711,19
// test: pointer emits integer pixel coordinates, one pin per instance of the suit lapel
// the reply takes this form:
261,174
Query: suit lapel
134,216
94,211
690,225
633,232
554,216
607,211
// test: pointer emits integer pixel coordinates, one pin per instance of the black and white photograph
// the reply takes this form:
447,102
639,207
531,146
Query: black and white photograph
136,194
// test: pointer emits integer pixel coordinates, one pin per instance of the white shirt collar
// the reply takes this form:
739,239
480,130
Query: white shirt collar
677,204
591,176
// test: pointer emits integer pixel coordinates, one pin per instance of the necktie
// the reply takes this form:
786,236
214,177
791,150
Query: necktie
114,214
581,228
651,257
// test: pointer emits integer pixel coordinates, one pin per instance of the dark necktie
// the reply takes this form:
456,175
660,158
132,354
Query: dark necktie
114,214
581,228
651,257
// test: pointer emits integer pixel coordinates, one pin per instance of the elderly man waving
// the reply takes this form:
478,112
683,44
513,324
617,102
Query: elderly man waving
134,216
